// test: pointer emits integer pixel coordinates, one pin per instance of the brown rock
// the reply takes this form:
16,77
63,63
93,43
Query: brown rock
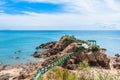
5,77
93,58
71,61
115,61
117,55
37,54
48,45
72,66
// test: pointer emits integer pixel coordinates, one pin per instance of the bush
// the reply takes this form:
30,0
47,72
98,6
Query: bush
83,64
81,41
70,39
95,48
106,76
58,73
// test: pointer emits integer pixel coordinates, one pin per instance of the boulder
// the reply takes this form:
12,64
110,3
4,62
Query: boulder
99,59
93,58
72,66
116,65
115,61
71,61
70,48
117,55
48,45
5,77
37,54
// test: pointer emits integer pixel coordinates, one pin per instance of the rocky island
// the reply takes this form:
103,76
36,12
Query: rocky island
86,53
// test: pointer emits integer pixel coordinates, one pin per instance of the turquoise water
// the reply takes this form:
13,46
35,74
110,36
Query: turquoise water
12,41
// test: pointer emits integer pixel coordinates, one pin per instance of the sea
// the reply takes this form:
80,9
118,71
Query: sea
17,46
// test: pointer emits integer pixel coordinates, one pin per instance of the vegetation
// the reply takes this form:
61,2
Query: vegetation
81,41
70,39
106,76
59,73
96,74
84,72
83,64
95,48
81,48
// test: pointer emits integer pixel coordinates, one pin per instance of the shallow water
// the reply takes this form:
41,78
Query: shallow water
26,41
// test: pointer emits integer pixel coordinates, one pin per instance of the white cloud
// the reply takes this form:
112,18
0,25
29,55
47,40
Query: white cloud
58,21
84,5
87,14
72,5
113,5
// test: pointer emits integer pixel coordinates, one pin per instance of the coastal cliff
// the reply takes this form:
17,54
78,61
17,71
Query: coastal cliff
93,54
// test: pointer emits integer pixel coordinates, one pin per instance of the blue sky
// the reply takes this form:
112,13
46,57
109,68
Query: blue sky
60,14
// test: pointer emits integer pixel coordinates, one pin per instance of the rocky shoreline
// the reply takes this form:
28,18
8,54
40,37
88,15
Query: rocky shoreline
93,54
20,72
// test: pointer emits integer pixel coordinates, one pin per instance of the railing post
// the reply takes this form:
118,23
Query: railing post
45,68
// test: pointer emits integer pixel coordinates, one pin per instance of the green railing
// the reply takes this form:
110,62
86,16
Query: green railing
55,62
48,66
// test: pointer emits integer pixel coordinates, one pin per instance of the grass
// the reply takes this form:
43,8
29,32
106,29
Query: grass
72,38
84,72
106,76
83,64
95,48
59,73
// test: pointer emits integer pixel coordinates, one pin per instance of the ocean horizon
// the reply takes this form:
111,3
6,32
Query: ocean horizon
21,44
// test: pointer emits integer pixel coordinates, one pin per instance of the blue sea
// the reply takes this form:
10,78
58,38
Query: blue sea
26,41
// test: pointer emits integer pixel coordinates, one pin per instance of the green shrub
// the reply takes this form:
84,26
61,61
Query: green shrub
95,48
81,41
58,73
83,64
70,39
106,76
41,78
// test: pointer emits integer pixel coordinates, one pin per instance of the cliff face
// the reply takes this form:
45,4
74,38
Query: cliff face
56,47
115,61
94,56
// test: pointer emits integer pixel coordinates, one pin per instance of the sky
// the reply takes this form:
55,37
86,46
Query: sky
60,14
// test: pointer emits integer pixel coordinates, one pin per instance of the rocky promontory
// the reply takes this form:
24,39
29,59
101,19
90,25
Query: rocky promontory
92,53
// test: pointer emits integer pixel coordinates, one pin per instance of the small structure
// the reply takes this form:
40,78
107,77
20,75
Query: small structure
81,47
92,42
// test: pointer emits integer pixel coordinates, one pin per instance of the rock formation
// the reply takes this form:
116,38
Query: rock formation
93,58
93,54
47,45
56,48
115,61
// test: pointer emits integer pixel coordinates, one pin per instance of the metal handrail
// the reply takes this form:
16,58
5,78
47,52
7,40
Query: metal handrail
48,66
